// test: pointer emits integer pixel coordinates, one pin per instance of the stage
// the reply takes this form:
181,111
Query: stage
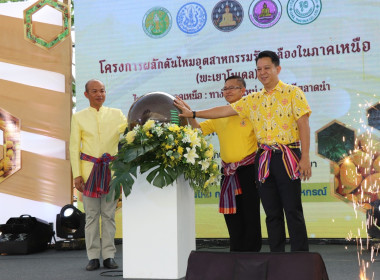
341,260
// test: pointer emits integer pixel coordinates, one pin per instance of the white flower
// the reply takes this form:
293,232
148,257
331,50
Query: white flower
158,130
195,140
205,164
136,128
186,139
191,155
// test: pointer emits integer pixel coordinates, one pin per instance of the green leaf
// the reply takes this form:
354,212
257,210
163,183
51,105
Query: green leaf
169,175
114,189
160,178
173,174
152,175
159,181
115,196
128,182
145,166
125,180
133,170
117,165
133,153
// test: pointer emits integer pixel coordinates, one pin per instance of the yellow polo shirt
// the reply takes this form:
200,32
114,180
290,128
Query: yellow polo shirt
236,137
93,133
274,115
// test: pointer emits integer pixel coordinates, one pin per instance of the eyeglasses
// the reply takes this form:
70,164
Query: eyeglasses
229,88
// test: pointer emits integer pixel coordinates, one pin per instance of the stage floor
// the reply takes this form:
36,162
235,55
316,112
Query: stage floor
343,262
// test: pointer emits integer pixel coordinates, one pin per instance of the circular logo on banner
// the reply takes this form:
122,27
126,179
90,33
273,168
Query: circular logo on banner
227,15
305,11
191,18
265,13
157,22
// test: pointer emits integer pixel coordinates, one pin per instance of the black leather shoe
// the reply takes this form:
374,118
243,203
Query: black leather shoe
110,263
93,264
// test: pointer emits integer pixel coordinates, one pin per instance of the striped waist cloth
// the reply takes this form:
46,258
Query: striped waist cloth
289,158
98,183
231,185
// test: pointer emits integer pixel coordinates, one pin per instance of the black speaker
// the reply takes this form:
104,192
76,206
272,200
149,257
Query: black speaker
255,266
24,235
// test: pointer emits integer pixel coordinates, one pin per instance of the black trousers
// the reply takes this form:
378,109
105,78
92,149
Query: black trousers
279,194
244,227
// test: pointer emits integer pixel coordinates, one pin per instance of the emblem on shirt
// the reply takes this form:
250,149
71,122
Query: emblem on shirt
191,18
304,12
265,13
243,123
157,22
227,15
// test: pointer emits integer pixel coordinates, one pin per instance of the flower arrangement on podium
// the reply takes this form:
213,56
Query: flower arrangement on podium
167,151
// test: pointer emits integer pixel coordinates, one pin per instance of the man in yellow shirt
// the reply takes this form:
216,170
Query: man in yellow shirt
239,199
280,117
93,142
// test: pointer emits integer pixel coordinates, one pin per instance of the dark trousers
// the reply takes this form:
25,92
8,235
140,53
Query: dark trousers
244,227
279,194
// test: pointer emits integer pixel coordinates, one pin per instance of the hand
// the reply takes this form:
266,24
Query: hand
79,183
184,103
186,110
305,168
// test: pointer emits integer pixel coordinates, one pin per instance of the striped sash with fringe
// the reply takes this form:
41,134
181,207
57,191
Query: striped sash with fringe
98,183
289,158
231,185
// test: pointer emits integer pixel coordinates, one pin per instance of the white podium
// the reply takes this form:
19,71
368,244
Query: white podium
158,230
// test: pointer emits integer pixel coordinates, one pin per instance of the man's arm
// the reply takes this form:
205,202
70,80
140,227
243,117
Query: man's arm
304,131
213,113
75,141
194,123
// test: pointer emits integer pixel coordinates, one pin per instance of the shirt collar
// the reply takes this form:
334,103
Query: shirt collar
276,88
92,109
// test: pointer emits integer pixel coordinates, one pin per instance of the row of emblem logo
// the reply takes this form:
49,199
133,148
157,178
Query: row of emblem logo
227,15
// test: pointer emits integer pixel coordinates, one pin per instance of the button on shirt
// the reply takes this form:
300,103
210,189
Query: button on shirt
274,114
93,133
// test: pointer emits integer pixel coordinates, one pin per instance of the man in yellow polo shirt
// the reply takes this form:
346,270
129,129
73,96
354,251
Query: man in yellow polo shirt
239,199
279,114
93,141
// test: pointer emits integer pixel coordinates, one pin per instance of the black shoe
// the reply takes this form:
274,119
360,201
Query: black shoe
93,264
110,263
